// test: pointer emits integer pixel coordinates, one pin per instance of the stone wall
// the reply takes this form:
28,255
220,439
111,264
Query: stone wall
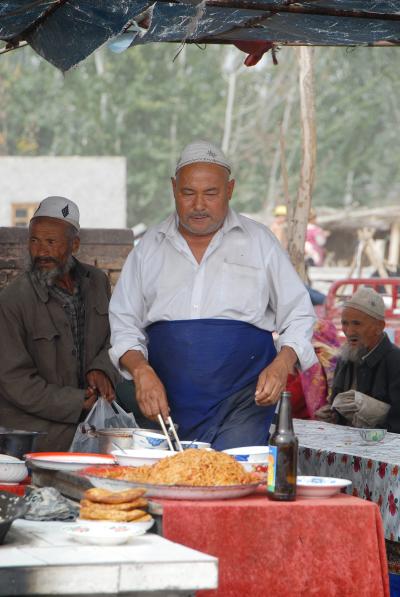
104,248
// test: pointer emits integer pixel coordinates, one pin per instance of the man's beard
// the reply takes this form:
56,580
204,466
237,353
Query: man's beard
353,354
50,277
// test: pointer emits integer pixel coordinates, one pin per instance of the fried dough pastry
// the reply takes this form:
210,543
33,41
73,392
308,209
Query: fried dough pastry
99,513
104,496
144,518
139,503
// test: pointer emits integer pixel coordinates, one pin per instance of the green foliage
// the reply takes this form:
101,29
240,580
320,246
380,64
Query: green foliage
144,105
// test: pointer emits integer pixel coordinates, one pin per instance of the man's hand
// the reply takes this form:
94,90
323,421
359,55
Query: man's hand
100,384
90,399
326,414
150,393
272,379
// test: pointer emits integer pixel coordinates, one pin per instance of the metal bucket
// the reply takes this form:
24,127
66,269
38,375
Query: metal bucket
113,438
17,442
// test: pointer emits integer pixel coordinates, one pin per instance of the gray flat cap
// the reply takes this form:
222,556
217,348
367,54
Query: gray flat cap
368,301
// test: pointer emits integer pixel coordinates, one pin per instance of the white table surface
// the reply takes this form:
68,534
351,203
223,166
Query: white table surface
346,440
38,558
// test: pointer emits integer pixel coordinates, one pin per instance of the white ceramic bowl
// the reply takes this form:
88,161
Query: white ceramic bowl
372,436
249,453
195,445
12,470
140,457
151,440
254,459
104,533
136,528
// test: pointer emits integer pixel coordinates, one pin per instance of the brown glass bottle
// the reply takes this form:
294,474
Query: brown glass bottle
282,461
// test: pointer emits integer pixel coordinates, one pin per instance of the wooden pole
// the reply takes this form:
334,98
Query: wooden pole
298,214
394,246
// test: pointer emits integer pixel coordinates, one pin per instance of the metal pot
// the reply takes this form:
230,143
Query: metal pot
112,438
16,442
11,507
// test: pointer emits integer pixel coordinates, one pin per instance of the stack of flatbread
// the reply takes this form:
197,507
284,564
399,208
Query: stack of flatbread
119,506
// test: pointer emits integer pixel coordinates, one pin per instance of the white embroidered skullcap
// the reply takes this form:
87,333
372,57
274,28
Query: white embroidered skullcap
368,301
202,151
59,208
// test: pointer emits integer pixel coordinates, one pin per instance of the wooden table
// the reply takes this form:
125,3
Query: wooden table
39,559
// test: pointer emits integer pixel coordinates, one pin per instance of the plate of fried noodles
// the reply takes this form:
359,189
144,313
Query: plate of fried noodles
190,475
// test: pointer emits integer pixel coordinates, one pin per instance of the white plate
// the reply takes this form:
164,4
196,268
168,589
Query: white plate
319,487
140,457
178,492
136,528
67,461
102,533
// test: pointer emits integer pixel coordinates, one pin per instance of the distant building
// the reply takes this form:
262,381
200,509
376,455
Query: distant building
96,184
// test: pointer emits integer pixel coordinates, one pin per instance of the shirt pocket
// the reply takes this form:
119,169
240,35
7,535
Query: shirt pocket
44,340
44,334
97,326
101,308
241,288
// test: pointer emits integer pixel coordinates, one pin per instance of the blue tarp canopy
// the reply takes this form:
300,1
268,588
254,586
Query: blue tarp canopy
65,32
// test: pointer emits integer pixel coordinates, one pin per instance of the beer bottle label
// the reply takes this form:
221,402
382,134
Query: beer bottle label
272,460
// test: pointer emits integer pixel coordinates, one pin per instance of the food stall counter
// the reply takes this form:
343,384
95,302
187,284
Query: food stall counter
38,558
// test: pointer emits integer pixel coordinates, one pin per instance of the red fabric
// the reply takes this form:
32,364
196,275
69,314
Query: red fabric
18,489
299,407
254,49
324,548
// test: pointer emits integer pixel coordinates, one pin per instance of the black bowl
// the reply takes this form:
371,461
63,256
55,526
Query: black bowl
16,442
11,507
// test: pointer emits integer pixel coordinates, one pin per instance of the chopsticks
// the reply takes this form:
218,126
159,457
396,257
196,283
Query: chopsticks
167,437
174,433
163,427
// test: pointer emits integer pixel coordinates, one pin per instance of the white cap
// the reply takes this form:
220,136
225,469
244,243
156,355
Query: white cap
202,151
59,208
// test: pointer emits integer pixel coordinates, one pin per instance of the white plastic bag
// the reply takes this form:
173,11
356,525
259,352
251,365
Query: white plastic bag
103,415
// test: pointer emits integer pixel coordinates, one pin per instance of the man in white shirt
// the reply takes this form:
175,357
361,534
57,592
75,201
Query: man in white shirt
193,312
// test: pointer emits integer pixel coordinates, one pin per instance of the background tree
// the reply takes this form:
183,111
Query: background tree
144,105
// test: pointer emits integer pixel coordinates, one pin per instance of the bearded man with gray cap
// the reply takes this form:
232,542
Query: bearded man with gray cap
366,383
193,312
54,336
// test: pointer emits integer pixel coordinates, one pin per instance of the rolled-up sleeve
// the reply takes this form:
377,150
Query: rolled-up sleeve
127,313
294,313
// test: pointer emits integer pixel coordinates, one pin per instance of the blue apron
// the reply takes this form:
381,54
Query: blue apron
202,362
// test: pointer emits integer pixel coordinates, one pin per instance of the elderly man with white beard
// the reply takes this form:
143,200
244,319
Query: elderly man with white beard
366,384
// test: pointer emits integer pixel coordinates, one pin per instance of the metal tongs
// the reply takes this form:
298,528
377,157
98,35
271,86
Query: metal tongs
166,433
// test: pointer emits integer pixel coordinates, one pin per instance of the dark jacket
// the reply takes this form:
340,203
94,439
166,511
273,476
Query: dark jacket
39,370
377,376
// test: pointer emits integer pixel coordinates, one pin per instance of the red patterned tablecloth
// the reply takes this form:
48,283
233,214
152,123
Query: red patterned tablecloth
311,547
374,470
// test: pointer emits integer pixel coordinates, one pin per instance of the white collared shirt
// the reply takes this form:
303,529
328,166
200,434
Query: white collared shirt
244,275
